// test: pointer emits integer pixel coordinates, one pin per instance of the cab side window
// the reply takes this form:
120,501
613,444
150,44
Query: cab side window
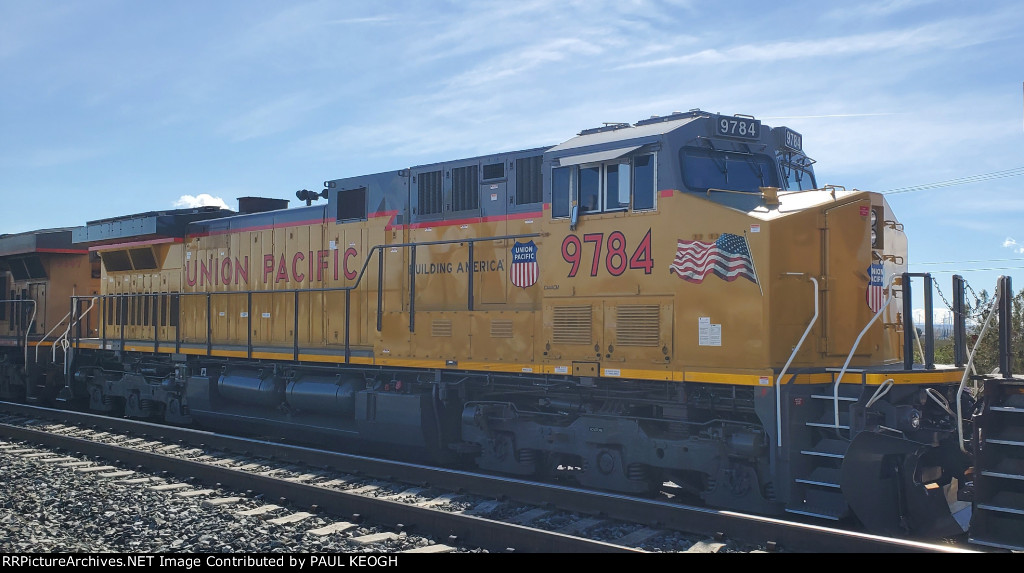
620,185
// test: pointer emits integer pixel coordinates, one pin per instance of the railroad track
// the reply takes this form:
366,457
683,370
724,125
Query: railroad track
400,507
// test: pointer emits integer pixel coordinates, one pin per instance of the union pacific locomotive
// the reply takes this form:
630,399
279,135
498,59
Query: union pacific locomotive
676,301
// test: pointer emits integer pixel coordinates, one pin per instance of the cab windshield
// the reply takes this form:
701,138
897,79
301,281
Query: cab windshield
797,177
705,169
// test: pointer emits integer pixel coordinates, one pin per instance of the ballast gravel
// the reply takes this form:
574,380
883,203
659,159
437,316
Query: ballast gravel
52,508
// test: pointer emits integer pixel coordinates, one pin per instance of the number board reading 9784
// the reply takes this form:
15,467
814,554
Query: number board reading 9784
738,127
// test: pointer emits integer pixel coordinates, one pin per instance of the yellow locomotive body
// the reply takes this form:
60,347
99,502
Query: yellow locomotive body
675,300
605,300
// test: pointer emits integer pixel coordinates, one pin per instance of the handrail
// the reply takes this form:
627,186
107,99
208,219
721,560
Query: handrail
55,327
377,250
31,320
970,366
856,343
62,340
782,375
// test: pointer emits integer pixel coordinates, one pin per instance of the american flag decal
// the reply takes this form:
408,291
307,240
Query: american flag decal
728,257
875,295
524,270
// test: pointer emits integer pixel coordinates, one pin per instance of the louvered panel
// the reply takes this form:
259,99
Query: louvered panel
430,192
501,329
638,325
573,325
441,328
464,188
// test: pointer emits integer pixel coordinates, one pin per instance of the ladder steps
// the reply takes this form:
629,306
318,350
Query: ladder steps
827,420
815,512
1009,468
830,397
823,503
822,476
1005,501
998,517
827,448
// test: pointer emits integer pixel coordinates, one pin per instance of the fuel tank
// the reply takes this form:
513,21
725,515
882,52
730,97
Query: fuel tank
324,394
251,386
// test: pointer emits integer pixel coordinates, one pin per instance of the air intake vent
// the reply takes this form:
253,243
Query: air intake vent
441,328
501,329
573,325
637,325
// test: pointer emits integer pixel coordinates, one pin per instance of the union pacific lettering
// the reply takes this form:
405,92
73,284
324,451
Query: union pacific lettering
299,267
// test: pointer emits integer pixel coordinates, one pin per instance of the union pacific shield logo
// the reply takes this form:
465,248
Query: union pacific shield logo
524,270
875,295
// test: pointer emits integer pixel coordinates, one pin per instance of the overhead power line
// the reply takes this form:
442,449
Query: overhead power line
1015,172
1018,260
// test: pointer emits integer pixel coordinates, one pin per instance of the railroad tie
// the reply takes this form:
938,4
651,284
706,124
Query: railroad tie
305,477
293,518
219,501
194,493
137,480
94,469
484,508
248,467
332,528
579,526
334,482
436,548
120,474
363,489
439,500
705,547
411,492
221,462
531,515
375,538
639,536
168,487
260,510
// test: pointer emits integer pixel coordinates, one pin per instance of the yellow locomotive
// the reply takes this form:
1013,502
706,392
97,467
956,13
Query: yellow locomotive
672,301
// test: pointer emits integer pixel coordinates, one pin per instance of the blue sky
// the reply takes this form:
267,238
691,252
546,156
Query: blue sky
110,107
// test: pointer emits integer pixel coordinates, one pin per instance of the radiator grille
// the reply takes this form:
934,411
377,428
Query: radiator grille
441,328
501,329
572,325
637,325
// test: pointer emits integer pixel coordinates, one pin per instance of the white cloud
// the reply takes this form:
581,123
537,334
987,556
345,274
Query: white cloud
201,200
1011,243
